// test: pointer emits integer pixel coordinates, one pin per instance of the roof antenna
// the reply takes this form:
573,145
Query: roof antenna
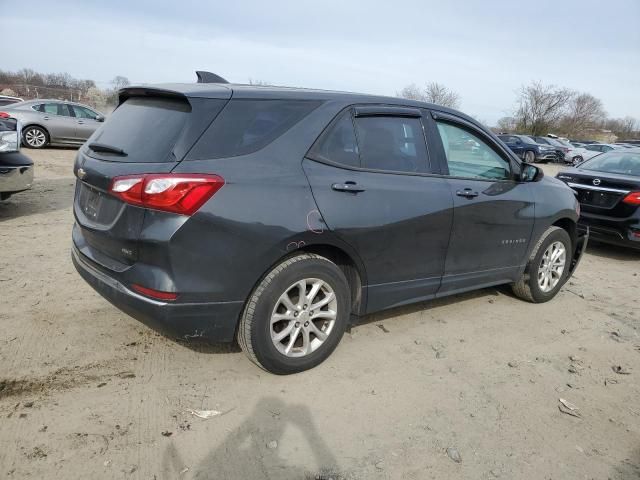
208,77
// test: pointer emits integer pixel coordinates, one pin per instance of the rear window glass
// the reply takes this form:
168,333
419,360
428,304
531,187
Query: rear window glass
146,128
246,126
624,163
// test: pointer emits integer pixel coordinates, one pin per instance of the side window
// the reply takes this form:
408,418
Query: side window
338,144
51,108
469,156
246,126
82,112
64,110
391,143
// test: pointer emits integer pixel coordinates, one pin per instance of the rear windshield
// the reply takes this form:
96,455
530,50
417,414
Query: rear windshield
145,128
625,163
246,126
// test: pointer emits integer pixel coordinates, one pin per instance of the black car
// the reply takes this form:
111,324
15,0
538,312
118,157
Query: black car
16,169
278,215
560,149
528,150
608,189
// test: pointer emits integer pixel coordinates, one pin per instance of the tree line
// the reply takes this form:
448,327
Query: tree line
29,84
541,109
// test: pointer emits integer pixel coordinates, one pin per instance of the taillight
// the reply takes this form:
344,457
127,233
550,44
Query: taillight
632,199
169,192
157,294
4,115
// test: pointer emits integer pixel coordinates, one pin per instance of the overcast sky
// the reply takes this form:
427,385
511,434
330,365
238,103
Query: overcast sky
484,50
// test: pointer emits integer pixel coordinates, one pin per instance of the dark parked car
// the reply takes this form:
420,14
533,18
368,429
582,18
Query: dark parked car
278,215
608,189
16,170
529,150
561,150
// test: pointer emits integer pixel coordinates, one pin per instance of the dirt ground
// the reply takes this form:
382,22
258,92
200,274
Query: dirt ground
88,392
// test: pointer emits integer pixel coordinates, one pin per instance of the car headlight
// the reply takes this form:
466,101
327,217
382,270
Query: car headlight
9,141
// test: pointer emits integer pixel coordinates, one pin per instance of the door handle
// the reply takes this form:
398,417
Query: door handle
80,122
347,187
467,193
45,118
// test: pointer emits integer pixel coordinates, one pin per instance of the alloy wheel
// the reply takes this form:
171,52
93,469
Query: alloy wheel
35,138
552,266
303,317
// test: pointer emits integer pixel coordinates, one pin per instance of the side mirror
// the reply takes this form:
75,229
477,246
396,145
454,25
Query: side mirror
100,118
530,173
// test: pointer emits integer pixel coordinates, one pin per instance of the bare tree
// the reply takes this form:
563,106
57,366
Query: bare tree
540,107
119,82
259,83
506,124
432,92
584,112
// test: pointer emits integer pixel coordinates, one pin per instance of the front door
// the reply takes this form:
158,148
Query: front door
376,193
493,212
86,122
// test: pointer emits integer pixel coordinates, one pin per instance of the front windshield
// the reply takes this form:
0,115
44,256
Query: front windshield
624,163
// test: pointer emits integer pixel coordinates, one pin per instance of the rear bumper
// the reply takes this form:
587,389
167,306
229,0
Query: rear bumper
213,321
15,176
611,231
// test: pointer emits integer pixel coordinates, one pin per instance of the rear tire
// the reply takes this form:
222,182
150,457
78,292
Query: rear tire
35,137
547,269
280,331
529,156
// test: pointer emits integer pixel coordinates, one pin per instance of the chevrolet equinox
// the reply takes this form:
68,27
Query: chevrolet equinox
276,216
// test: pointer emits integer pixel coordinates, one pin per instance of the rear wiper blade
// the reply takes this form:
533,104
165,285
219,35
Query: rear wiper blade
101,147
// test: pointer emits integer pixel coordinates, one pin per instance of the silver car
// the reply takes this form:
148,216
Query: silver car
54,122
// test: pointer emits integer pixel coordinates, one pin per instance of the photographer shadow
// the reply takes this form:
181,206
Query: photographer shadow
254,449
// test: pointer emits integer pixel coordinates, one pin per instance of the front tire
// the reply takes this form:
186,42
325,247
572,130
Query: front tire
547,269
35,137
296,316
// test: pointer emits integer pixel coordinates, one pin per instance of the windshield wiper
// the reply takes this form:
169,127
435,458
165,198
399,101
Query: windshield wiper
101,147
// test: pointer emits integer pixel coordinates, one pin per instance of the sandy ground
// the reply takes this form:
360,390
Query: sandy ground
87,392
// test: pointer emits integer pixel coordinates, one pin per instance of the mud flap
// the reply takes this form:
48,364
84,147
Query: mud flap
581,246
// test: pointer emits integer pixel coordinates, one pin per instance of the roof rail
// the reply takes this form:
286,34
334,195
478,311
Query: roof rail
208,77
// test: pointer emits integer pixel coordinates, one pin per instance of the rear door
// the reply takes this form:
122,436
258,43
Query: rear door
493,213
514,143
372,179
59,121
86,122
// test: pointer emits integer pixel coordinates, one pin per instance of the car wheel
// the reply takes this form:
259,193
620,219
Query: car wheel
296,316
576,160
529,156
35,137
547,269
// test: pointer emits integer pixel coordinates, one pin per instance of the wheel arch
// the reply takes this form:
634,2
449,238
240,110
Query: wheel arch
349,267
570,226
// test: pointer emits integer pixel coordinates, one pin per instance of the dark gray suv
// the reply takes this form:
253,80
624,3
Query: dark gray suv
277,216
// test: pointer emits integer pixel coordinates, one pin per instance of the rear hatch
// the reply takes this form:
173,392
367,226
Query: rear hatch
602,193
150,131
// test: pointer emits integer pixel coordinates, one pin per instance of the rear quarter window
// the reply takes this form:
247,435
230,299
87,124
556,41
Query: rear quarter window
246,126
